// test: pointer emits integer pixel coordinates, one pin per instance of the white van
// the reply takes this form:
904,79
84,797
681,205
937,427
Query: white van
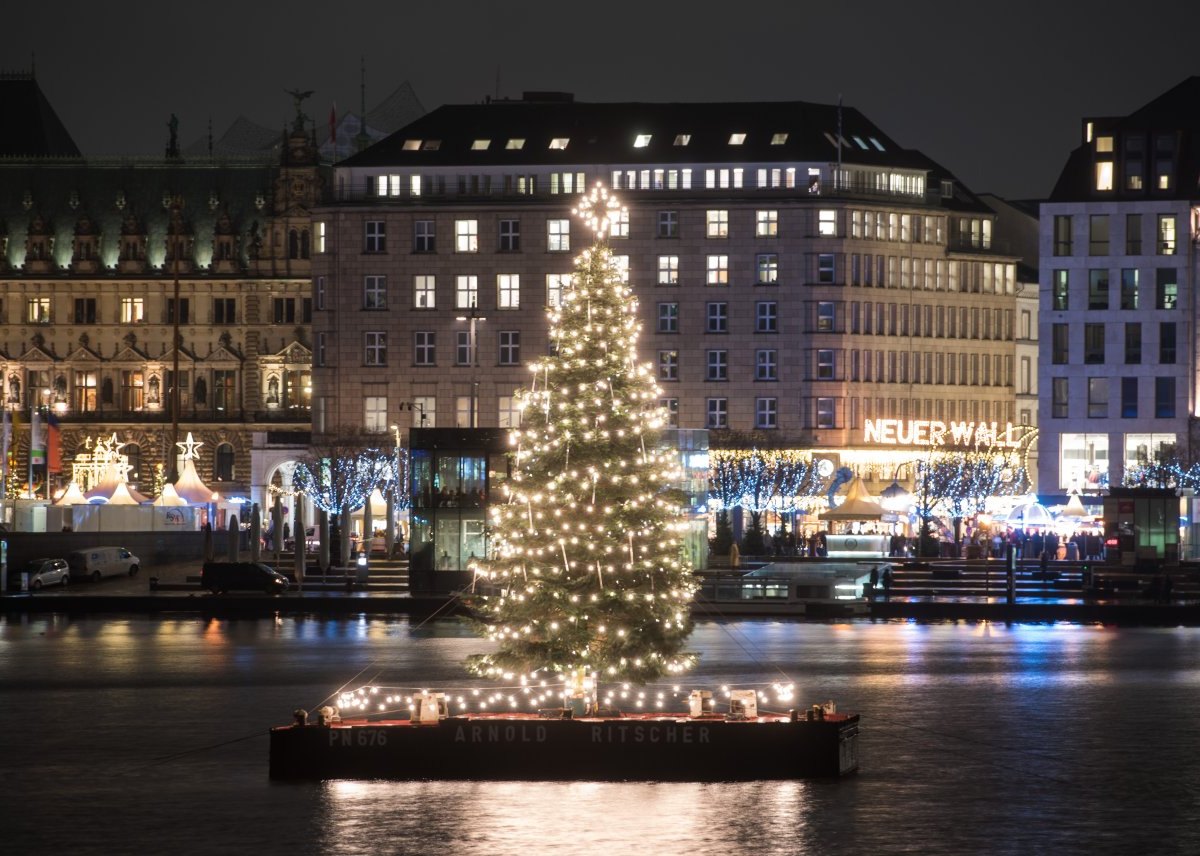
96,562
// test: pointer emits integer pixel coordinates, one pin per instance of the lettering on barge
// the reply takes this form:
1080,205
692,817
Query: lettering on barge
650,732
500,734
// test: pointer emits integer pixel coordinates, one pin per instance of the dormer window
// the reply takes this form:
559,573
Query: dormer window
431,145
412,145
876,143
515,143
859,142
737,139
559,142
480,145
778,139
1104,144
642,140
682,139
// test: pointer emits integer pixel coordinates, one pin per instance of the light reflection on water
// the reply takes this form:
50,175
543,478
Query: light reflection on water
148,736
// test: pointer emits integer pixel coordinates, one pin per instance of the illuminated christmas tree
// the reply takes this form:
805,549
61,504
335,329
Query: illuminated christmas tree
587,576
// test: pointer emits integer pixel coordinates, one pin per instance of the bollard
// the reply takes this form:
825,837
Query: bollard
154,584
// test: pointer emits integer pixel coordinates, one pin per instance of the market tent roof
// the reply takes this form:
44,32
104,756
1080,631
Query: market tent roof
1075,507
858,505
72,496
190,488
124,495
169,496
1030,514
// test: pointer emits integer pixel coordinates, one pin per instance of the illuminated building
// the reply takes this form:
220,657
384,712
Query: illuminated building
1118,274
801,276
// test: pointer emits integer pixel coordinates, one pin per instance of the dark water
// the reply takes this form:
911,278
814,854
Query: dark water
148,736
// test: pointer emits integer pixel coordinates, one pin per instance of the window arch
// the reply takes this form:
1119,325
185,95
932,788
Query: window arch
223,463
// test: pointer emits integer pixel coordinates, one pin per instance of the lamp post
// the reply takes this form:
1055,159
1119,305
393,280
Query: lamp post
472,317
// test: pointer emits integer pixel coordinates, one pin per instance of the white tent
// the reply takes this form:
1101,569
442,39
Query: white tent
123,495
170,497
190,488
858,505
72,496
1029,514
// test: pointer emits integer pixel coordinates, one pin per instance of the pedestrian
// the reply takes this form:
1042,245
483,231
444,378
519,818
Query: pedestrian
735,557
887,582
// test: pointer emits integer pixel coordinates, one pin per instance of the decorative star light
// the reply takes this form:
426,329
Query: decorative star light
188,448
597,208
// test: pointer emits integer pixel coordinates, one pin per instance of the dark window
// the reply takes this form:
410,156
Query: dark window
184,310
1097,289
85,310
1093,344
223,463
510,236
224,310
1166,343
1060,344
1129,397
375,237
1129,288
717,318
424,237
1164,397
668,224
1166,288
668,317
1133,344
1059,389
1062,235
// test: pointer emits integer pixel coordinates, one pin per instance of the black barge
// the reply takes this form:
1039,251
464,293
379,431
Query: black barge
532,746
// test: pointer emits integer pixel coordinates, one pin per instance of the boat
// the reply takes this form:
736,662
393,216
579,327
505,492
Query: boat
556,744
813,589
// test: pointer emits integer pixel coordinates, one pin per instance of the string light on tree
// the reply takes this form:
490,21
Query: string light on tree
587,577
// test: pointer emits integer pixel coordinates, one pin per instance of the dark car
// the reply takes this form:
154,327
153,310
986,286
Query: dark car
220,577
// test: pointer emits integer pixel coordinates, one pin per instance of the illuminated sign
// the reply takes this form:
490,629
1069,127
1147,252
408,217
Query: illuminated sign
934,432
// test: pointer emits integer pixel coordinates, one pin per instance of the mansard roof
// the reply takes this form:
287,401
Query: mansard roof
1174,114
605,133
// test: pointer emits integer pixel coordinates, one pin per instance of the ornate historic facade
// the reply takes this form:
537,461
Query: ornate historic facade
152,297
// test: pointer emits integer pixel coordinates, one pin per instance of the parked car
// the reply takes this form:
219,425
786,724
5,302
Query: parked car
220,577
41,572
96,562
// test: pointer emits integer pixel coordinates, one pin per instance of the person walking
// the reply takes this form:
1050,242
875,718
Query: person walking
735,557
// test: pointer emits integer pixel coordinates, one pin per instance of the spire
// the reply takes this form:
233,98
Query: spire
362,140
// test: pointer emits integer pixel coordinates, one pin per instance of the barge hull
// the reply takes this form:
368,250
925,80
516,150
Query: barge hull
512,748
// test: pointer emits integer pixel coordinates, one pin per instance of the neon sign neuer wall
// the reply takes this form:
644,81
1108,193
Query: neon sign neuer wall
934,432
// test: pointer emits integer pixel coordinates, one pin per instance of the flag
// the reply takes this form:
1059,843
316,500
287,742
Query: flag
5,442
53,444
37,441
333,124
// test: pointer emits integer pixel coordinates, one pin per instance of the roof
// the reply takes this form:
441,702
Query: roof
1175,113
605,133
31,128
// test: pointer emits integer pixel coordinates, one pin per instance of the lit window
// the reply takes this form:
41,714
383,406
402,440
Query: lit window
425,291
132,310
515,143
718,223
555,283
827,222
1104,144
558,236
480,145
412,145
737,139
414,185
766,224
1104,175
466,236
559,142
668,270
466,292
876,143
641,141
718,270
778,139
682,139
508,291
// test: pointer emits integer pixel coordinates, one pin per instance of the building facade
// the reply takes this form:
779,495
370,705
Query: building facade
1117,282
803,281
150,298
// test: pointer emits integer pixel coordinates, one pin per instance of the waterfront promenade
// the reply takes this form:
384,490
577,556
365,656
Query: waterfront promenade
972,591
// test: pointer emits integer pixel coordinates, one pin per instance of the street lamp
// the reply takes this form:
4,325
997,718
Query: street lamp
473,316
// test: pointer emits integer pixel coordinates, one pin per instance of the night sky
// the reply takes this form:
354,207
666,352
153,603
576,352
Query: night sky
994,91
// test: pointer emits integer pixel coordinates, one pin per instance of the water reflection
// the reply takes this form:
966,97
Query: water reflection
502,818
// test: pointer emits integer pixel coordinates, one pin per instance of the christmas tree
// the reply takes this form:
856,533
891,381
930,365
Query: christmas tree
587,574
